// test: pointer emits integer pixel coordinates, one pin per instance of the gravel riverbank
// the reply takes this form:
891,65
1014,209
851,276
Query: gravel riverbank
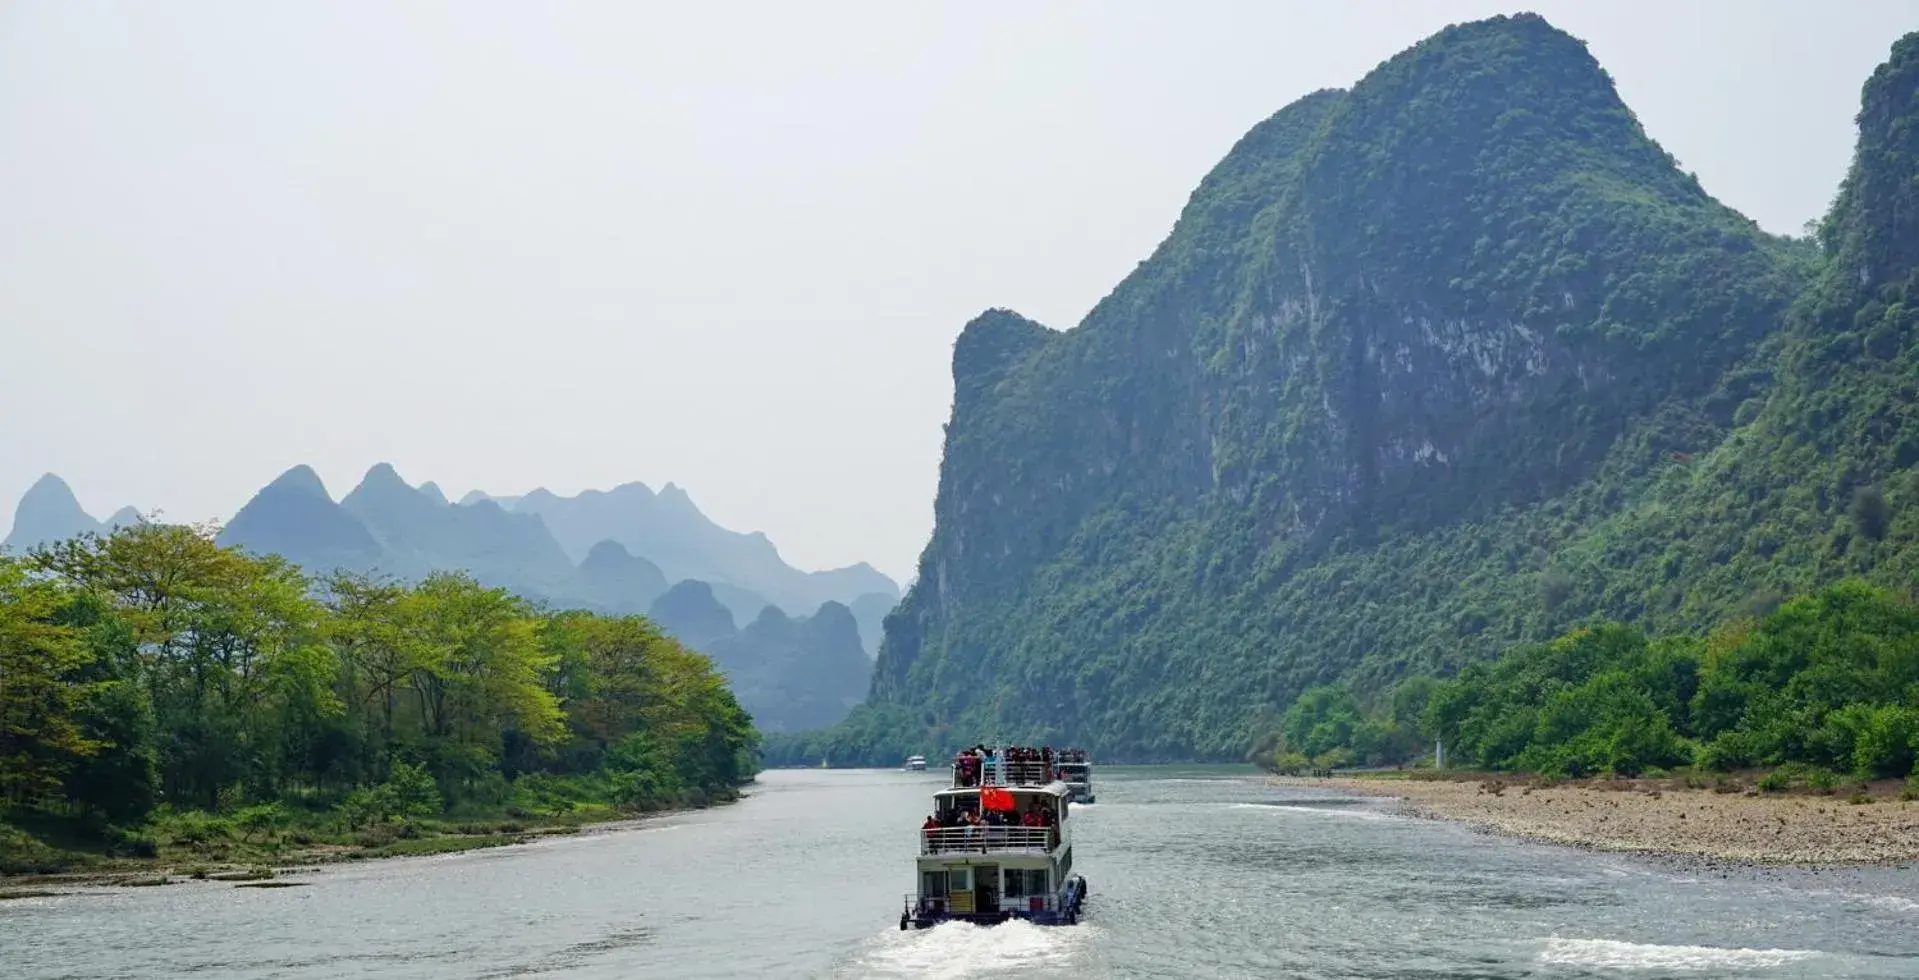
1664,819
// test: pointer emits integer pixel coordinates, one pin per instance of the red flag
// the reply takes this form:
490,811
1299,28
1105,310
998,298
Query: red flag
993,798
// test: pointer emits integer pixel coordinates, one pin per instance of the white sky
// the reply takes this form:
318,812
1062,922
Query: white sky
727,245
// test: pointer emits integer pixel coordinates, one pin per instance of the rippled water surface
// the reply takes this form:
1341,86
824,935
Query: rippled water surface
1193,872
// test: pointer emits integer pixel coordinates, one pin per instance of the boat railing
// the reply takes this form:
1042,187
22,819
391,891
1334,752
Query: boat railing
1003,772
988,840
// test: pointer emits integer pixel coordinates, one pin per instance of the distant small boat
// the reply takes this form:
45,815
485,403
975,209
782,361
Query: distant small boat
915,763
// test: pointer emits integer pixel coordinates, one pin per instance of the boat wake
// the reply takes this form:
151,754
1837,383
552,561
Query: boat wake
1612,954
952,950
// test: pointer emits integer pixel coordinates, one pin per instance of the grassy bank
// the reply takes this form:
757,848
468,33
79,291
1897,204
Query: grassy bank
196,844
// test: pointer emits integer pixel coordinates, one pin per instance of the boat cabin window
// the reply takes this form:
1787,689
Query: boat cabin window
933,883
1022,882
959,880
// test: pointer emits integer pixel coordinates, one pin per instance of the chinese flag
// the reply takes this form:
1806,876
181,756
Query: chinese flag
992,798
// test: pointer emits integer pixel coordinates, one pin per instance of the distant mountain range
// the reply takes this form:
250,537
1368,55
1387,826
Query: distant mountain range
792,674
620,551
674,535
50,512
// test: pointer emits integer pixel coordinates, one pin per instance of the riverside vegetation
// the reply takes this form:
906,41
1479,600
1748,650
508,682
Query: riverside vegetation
1825,687
1431,372
166,701
794,645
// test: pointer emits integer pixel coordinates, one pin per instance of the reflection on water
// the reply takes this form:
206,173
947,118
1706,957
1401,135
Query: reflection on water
1194,872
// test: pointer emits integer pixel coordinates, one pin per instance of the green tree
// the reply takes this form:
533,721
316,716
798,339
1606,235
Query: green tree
41,736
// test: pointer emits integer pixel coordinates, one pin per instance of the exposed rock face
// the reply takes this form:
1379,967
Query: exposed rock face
869,611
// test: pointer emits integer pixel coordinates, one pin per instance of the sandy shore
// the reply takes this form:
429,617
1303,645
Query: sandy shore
1664,820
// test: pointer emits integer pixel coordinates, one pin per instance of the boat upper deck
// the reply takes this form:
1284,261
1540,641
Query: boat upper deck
1013,765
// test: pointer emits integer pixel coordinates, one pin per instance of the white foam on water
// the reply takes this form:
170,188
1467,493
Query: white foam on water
1610,954
953,950
1355,813
1892,903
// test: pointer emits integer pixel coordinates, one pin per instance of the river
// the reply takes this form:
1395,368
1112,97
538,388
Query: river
1194,872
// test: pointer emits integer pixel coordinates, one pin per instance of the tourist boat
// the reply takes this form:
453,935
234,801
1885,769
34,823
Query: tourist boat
915,763
1077,770
1019,867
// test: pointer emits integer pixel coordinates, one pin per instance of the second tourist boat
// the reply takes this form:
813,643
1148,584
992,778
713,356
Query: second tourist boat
1077,770
998,845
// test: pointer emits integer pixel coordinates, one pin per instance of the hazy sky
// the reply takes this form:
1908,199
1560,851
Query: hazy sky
504,245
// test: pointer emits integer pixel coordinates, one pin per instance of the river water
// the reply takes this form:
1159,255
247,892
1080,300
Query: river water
1193,872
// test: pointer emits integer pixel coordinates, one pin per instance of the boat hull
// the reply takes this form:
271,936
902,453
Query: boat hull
1065,912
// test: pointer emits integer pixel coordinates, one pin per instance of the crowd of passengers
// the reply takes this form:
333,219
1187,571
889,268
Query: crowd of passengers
1032,817
981,831
1021,760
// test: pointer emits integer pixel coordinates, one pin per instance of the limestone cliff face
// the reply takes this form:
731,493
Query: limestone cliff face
1388,312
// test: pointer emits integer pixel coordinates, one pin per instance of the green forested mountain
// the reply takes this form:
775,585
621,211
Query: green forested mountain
1456,359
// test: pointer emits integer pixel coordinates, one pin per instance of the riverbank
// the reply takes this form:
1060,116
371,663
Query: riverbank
1728,822
212,849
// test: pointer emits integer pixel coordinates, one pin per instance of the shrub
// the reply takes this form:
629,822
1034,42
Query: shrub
1883,742
191,827
409,791
259,820
1291,763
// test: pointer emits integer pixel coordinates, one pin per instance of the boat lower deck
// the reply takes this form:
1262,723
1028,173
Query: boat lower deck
1062,908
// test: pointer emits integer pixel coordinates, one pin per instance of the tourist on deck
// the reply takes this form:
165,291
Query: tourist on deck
966,767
